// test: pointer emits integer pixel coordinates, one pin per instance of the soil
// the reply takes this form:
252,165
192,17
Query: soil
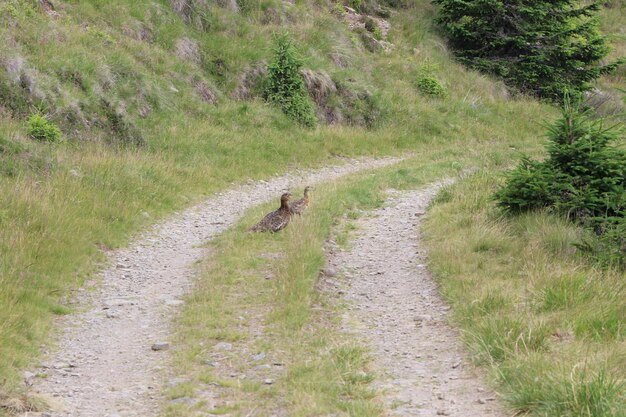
109,354
395,308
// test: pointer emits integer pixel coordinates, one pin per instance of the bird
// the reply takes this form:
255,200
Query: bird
298,206
276,220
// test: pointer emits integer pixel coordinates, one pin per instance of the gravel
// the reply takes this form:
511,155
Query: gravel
108,341
395,308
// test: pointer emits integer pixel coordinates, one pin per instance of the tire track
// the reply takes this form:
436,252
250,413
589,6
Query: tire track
395,308
109,354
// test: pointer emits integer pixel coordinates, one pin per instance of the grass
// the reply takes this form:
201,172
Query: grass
548,324
140,142
65,205
259,292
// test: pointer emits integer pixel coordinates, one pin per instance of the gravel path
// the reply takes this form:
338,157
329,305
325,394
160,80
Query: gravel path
109,355
395,307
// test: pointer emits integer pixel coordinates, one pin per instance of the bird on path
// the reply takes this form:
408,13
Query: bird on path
276,220
298,206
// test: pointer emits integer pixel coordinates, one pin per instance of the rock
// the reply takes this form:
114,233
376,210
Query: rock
174,302
118,302
264,367
184,400
160,346
268,381
175,381
188,50
61,365
258,357
457,364
111,315
223,346
422,318
329,271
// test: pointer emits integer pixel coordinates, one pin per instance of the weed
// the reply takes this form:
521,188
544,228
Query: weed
40,128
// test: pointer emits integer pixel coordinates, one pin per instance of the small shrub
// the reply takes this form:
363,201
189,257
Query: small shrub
428,84
583,179
339,10
373,27
356,4
285,86
370,24
38,127
382,12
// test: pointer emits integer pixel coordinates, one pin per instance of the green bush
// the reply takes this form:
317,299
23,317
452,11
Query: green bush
285,86
430,86
544,47
356,4
583,178
38,127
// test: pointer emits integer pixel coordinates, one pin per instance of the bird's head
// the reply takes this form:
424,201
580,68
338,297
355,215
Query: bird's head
285,197
307,189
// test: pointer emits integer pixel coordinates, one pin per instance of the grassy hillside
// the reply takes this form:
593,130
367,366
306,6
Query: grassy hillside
144,95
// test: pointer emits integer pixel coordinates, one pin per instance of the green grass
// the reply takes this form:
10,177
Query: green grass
286,317
140,142
64,206
546,322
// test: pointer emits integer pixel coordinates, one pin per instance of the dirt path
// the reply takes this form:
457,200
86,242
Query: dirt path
395,307
108,359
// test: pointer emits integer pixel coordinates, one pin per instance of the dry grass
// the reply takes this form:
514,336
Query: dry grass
548,324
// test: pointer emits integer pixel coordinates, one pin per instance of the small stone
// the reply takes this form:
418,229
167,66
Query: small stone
456,364
62,365
268,381
174,302
263,367
184,400
442,413
111,315
118,302
175,381
223,346
258,357
481,401
440,396
329,271
160,346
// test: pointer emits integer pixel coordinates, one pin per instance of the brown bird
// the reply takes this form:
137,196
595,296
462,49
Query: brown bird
276,220
298,206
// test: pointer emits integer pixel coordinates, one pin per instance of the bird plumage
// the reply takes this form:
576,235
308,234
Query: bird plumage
298,206
276,220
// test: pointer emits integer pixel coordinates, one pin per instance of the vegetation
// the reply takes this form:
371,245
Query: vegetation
285,86
583,179
547,323
547,48
38,127
161,77
269,282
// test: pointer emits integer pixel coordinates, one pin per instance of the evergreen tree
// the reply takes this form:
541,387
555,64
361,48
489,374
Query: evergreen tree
543,47
285,86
